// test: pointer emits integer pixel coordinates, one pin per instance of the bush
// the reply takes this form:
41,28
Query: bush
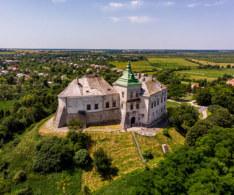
25,191
103,164
80,140
53,155
82,159
166,132
20,176
148,155
75,124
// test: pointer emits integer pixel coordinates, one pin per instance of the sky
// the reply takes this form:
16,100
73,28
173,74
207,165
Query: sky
117,24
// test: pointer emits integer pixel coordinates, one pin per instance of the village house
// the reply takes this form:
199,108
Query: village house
133,100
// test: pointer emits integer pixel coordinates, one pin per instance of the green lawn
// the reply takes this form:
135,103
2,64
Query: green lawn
20,157
139,66
6,104
172,104
170,62
209,74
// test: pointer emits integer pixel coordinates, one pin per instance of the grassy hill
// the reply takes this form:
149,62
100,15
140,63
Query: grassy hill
19,154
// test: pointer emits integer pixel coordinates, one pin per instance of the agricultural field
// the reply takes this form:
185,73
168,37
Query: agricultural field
209,74
171,62
205,63
138,66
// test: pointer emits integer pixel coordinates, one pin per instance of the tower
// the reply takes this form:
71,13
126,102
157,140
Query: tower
129,88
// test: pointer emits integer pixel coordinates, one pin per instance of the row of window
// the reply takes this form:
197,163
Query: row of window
131,95
156,102
96,106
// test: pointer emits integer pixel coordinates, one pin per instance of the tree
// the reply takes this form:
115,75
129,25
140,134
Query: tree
103,164
183,117
203,97
53,155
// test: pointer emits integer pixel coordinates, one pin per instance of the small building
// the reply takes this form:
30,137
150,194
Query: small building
131,101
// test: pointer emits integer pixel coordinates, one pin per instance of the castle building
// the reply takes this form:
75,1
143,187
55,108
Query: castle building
131,101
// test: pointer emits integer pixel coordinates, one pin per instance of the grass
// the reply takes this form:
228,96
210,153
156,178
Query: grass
138,66
120,148
209,74
171,62
7,105
172,104
20,157
153,144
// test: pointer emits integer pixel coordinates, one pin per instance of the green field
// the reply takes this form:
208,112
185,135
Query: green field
171,62
209,74
139,66
6,104
20,157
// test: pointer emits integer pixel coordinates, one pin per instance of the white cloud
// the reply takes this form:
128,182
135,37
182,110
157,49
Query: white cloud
192,5
116,5
139,19
127,5
58,1
169,3
115,19
136,3
206,3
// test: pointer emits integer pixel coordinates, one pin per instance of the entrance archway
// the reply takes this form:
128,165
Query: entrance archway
133,121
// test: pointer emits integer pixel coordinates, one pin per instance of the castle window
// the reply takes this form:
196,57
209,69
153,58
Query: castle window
96,106
152,105
131,95
88,107
107,105
137,106
131,106
158,101
137,95
114,104
122,94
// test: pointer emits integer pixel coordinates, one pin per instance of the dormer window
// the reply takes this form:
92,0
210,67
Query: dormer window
107,105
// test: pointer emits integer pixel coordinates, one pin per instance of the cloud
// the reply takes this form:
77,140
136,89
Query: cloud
115,19
58,1
136,3
139,19
116,5
169,3
119,5
206,3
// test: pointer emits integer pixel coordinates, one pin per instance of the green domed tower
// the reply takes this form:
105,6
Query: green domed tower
129,88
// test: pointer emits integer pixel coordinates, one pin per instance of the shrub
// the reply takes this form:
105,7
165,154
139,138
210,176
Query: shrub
20,176
148,155
80,140
25,191
75,124
103,164
52,155
82,159
166,132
